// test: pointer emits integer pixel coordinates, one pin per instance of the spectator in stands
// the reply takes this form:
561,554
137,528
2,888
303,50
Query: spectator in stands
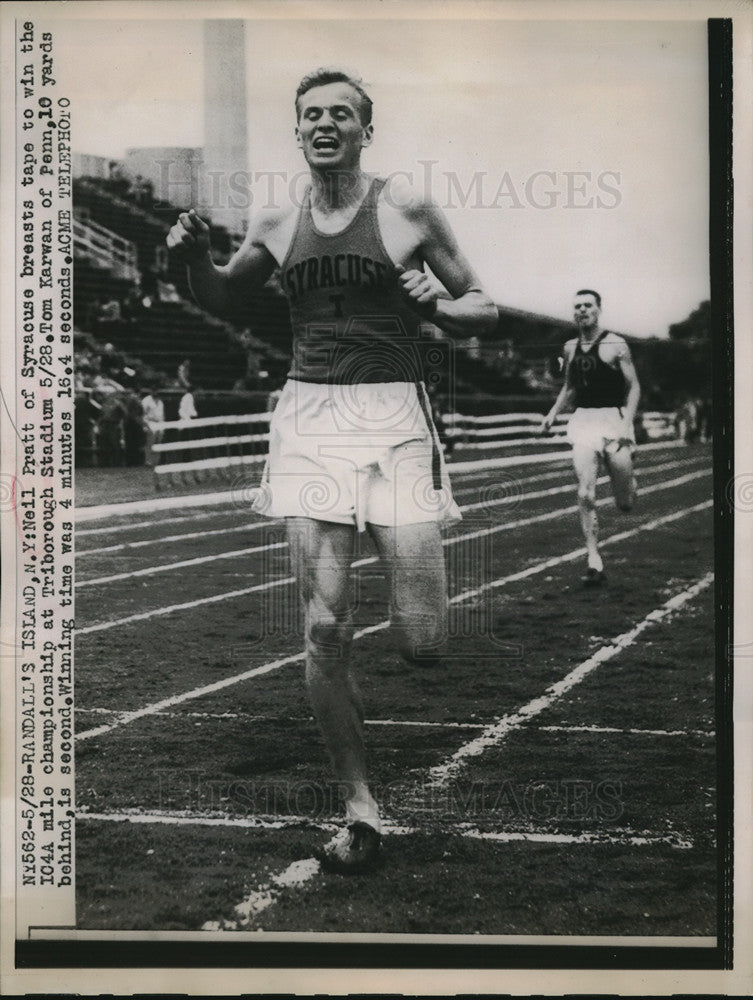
133,428
118,181
111,362
110,311
641,431
103,386
687,421
83,376
133,303
111,427
143,191
149,287
705,425
91,315
85,440
473,348
183,376
167,292
153,411
186,413
507,360
187,406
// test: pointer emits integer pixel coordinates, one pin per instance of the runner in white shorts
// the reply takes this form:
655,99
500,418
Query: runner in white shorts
352,444
601,383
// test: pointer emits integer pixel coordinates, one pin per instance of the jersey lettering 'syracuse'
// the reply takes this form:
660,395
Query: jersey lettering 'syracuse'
596,384
350,323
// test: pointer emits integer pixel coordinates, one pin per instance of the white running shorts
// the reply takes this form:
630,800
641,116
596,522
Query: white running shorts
354,454
599,428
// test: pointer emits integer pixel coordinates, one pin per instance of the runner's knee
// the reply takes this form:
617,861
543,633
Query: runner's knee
420,656
330,632
587,497
419,643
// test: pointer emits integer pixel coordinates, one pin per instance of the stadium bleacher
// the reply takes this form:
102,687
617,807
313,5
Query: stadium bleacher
121,257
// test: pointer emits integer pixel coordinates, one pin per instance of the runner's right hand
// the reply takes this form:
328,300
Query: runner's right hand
189,236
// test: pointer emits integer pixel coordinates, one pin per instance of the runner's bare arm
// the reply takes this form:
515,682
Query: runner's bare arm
564,399
626,366
469,310
221,290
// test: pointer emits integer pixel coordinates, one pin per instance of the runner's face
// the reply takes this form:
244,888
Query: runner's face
586,312
329,129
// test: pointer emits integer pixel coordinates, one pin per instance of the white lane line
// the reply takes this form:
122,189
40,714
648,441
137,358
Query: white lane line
246,717
410,723
163,539
577,553
236,506
154,504
570,488
624,837
178,699
257,525
369,560
707,734
184,817
492,478
560,511
242,509
297,657
295,876
182,564
114,529
299,873
493,735
187,605
482,478
552,456
226,531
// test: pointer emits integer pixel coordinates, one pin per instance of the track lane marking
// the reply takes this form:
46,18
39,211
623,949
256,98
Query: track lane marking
577,553
299,873
501,501
496,733
182,564
165,703
459,470
178,817
412,723
257,525
163,539
208,515
368,560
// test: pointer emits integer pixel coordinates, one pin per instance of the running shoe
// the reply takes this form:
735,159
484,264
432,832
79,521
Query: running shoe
352,851
594,577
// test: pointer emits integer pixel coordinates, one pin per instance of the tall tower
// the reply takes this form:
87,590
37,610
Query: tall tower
225,164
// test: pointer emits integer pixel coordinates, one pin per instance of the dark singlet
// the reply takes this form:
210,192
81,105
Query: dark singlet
350,323
595,382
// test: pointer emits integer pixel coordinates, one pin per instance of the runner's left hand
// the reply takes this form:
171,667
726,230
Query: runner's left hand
418,291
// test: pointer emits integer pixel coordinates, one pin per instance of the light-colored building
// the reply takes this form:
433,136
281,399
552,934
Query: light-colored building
224,189
88,165
174,172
